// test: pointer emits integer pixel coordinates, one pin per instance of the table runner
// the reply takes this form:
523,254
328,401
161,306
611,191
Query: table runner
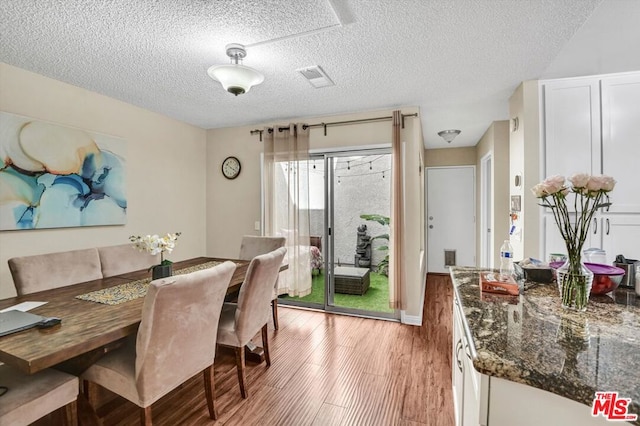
135,289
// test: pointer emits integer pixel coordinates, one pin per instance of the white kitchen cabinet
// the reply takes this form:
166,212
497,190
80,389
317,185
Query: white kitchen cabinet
571,126
615,233
457,371
474,405
592,125
554,243
513,403
469,399
482,400
620,234
621,140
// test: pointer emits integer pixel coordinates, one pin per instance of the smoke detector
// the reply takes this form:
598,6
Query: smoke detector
316,76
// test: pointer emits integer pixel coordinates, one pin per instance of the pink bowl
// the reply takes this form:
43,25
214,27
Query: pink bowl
606,278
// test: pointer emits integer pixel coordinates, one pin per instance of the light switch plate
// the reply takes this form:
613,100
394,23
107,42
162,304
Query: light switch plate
256,226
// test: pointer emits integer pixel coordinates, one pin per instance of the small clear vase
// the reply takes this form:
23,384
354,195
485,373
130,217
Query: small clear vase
574,283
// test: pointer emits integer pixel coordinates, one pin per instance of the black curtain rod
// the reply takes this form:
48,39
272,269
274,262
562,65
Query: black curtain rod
335,123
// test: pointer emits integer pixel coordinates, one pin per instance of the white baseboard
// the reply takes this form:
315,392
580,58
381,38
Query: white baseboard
410,319
417,319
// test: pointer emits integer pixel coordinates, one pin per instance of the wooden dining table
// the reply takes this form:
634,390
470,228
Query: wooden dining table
88,329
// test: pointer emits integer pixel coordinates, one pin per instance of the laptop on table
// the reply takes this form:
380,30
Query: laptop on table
14,321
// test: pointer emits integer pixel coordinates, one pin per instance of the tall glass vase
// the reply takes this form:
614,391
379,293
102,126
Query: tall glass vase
574,283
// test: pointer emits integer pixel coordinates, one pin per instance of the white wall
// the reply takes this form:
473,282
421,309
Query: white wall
524,154
495,141
166,169
234,205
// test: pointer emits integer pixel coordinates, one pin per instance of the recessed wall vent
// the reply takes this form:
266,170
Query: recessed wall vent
316,76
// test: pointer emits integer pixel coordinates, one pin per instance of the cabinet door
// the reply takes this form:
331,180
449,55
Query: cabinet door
621,139
554,243
571,127
621,235
457,372
471,411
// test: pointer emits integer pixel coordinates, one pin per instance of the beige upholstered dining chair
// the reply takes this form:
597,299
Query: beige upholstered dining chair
240,322
123,258
29,397
52,270
176,340
253,246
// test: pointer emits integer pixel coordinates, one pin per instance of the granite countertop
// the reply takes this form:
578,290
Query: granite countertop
531,339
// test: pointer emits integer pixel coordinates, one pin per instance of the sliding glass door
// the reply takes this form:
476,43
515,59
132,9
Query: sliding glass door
349,203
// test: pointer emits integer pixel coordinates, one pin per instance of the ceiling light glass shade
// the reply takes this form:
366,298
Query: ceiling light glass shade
449,135
235,78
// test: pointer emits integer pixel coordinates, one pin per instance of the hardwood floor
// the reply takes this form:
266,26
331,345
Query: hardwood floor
326,370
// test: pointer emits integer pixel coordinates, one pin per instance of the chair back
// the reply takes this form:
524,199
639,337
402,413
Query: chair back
123,258
253,246
52,270
177,334
255,295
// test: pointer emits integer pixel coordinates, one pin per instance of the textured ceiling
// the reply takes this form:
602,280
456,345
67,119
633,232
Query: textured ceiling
458,60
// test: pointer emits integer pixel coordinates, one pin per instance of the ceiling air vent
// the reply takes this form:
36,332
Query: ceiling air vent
316,76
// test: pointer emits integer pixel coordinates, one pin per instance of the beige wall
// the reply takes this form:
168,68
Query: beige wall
524,154
233,206
494,142
443,157
166,169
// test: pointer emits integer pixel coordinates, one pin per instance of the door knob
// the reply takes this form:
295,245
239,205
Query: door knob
430,217
430,226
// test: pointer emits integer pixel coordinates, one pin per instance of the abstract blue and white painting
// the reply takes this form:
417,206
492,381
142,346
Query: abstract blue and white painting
55,176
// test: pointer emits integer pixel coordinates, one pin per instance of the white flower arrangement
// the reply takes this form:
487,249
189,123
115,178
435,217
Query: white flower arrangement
589,194
154,244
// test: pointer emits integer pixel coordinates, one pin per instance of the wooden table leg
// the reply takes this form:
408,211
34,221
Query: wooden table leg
86,413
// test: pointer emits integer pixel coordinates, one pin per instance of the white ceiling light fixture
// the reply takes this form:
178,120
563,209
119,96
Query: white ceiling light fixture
449,135
235,78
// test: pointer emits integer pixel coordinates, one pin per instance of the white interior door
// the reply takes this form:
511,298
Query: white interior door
450,217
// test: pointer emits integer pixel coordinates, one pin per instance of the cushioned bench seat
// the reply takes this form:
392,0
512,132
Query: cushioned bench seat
116,260
52,270
32,396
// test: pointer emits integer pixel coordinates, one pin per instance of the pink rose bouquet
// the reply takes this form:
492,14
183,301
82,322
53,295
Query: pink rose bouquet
588,194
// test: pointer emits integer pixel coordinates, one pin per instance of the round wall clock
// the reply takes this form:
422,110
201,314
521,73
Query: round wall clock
231,167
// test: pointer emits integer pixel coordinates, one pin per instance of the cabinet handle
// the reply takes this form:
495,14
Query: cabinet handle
458,348
595,225
608,226
467,351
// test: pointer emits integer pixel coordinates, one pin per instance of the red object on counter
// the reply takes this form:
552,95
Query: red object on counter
606,278
490,282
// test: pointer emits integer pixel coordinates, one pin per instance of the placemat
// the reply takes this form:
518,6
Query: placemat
135,289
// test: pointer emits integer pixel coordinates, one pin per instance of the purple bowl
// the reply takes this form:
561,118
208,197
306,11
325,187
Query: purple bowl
606,278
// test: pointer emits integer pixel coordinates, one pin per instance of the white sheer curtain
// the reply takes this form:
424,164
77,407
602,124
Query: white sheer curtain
286,201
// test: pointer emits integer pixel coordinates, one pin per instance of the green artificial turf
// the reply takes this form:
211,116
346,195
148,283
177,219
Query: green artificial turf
375,299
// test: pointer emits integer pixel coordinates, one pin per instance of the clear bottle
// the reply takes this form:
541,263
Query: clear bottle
506,260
